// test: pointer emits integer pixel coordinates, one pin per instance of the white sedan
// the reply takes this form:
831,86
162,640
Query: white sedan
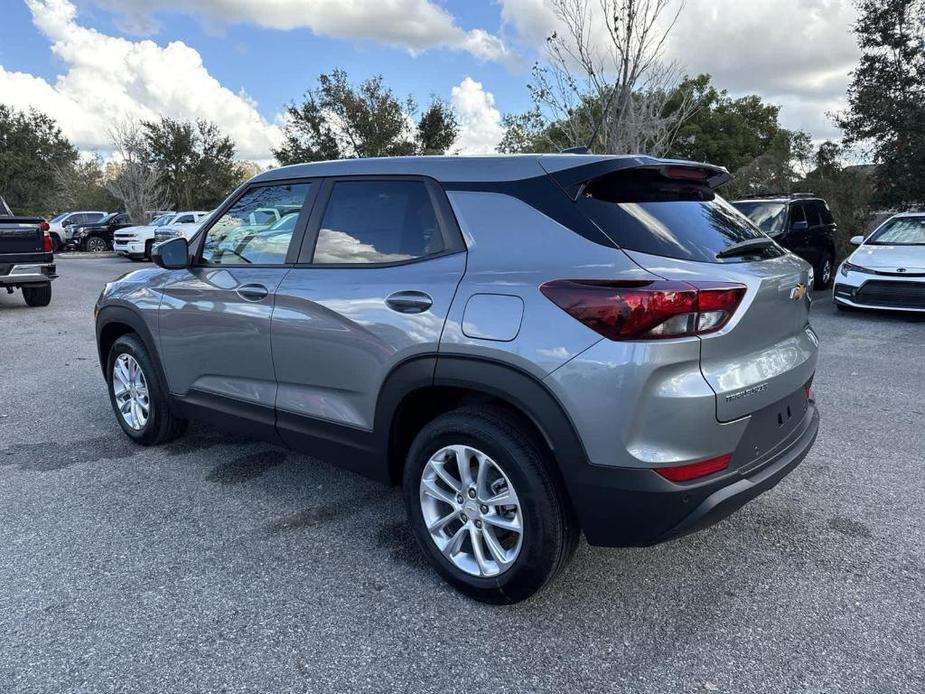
887,271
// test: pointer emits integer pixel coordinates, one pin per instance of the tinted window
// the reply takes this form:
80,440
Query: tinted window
797,214
770,217
813,215
826,214
247,232
184,219
673,219
378,222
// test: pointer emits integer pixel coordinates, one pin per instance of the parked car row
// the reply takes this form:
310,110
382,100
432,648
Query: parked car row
136,242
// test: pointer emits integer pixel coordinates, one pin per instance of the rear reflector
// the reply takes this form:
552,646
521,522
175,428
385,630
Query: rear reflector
685,473
645,310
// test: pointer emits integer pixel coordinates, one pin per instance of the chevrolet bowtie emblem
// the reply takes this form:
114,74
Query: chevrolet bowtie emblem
798,292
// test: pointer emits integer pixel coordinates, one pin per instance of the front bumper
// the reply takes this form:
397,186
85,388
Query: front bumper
27,273
130,249
624,507
881,292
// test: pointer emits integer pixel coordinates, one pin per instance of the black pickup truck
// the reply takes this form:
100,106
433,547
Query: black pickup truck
26,259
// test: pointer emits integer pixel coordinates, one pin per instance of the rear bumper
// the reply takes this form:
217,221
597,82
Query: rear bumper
623,507
26,273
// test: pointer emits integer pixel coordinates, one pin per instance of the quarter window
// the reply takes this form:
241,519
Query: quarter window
258,228
378,222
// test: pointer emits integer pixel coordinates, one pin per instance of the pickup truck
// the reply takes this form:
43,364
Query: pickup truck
26,258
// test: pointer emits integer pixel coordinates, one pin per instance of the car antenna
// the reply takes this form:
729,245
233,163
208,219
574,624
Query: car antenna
586,149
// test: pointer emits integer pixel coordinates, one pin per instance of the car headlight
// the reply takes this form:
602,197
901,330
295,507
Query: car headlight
847,267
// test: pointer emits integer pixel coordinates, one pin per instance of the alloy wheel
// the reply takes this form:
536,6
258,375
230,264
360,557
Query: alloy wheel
471,511
130,389
96,245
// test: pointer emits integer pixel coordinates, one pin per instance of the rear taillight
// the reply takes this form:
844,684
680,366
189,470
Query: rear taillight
44,226
692,471
47,247
645,310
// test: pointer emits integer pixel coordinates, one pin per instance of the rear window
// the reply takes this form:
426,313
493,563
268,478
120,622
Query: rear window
643,211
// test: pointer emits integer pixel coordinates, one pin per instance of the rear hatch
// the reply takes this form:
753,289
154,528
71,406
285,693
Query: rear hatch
669,221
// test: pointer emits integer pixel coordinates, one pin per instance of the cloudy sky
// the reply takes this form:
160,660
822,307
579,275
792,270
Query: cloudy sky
240,62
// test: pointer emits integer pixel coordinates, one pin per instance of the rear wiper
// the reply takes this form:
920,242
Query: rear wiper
746,247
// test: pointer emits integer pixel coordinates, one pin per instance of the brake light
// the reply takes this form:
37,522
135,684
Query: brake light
686,473
47,246
44,226
646,310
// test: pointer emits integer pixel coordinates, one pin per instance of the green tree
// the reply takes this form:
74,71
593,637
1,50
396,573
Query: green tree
437,128
848,190
337,120
886,97
195,162
32,150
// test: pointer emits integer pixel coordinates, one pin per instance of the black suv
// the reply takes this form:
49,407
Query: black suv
801,223
97,237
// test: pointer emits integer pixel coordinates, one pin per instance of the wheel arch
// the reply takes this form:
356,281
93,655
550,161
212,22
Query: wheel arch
418,391
113,322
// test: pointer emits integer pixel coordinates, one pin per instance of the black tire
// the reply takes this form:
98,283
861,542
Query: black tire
96,244
37,296
55,243
162,425
148,246
550,531
823,274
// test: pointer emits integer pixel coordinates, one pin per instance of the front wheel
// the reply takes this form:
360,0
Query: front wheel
138,399
486,506
37,296
95,244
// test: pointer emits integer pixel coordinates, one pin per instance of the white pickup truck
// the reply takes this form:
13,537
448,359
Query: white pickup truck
181,226
136,242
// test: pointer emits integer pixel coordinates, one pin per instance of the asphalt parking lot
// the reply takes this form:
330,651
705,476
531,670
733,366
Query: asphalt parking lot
222,564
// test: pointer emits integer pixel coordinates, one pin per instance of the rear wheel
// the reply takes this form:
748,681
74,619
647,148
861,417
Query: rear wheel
137,396
55,243
95,244
823,273
37,296
148,246
486,507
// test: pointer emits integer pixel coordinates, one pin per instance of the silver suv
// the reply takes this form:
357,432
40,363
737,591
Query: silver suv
535,347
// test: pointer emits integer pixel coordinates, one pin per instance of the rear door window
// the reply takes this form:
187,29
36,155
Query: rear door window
642,211
813,213
378,222
797,214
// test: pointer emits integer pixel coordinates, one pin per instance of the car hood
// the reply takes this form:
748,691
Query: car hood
134,230
890,258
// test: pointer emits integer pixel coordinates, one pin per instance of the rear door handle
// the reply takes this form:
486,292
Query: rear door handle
409,302
252,292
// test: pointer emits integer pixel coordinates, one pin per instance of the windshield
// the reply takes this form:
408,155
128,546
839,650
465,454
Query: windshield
163,220
900,231
770,217
108,218
59,217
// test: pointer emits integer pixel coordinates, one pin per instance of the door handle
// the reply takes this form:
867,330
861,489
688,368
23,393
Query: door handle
252,292
409,302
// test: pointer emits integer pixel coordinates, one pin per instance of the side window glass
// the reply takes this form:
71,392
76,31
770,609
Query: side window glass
378,222
797,214
812,214
826,214
184,219
258,228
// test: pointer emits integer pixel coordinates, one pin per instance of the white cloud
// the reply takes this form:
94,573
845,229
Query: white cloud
795,53
415,25
480,128
109,79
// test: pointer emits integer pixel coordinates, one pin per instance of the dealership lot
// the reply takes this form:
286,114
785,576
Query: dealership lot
217,563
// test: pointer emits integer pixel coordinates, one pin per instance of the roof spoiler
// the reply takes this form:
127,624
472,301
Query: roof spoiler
573,179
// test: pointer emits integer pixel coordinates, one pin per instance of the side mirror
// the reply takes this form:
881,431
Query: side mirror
856,240
799,226
172,254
